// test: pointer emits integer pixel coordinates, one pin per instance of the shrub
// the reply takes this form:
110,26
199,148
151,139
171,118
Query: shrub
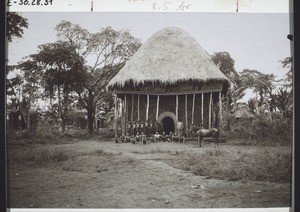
39,156
262,132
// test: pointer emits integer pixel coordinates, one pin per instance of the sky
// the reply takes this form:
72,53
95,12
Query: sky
255,41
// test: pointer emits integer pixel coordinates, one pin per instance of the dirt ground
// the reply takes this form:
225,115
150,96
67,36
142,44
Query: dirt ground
130,179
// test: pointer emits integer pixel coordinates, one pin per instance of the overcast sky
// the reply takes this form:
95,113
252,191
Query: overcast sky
254,41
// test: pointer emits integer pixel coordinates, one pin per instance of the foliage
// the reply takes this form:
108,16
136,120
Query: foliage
263,131
288,63
226,64
15,25
109,49
55,65
236,92
263,85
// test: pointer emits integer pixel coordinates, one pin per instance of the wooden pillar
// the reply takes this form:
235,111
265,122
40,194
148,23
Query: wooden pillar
220,112
157,107
202,99
138,107
176,107
116,117
132,107
121,114
186,114
126,114
147,108
193,109
209,111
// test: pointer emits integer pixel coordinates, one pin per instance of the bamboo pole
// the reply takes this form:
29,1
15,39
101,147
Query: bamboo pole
220,112
209,111
138,107
176,107
116,117
157,107
132,106
193,109
186,114
147,109
126,114
202,99
121,114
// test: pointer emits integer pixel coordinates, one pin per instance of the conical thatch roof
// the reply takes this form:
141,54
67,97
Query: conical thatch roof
169,56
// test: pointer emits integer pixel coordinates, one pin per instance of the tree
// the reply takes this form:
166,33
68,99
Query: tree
283,101
236,91
107,51
284,97
60,64
15,25
287,63
14,28
226,64
262,85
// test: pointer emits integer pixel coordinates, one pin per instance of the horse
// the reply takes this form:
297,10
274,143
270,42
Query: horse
213,132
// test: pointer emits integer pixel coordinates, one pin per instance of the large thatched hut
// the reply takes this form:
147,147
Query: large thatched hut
170,80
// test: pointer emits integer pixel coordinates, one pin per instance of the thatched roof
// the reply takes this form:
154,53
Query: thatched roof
169,56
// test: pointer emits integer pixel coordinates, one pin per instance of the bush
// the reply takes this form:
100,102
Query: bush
262,132
46,130
40,156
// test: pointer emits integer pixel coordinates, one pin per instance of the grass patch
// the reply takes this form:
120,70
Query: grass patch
238,164
156,151
39,156
101,152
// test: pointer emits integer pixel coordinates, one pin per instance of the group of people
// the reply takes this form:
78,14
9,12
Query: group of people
153,138
147,128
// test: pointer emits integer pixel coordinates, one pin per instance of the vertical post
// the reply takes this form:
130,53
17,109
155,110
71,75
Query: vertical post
209,111
132,106
138,107
193,109
121,114
116,117
126,114
220,112
202,99
157,107
176,107
186,114
147,109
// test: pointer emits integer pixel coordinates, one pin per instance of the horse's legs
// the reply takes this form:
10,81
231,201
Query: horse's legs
217,139
200,140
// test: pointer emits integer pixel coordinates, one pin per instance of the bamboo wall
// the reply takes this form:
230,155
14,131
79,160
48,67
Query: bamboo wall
135,110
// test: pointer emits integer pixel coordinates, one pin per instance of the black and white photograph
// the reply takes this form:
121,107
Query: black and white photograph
149,110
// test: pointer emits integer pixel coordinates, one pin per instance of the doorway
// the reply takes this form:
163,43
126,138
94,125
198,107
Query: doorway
168,125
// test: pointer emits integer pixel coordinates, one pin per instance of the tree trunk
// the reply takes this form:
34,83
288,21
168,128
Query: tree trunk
90,120
229,113
60,115
28,121
91,112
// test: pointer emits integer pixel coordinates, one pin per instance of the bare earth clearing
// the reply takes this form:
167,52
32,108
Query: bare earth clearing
133,176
